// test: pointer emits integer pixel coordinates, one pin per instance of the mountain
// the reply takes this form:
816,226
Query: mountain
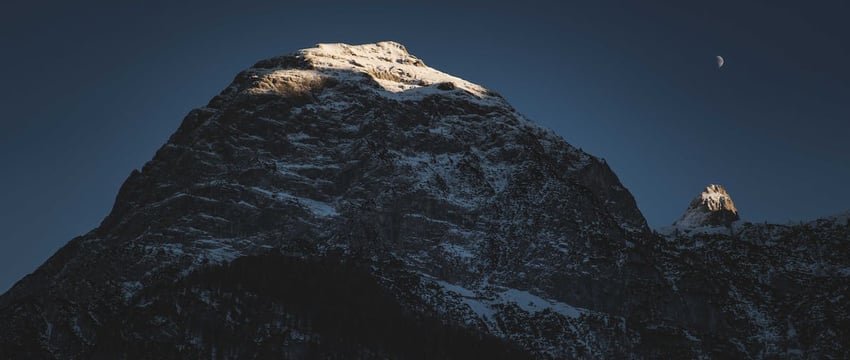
712,208
351,202
775,291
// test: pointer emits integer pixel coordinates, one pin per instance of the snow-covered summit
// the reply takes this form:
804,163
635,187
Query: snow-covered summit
386,68
389,64
712,208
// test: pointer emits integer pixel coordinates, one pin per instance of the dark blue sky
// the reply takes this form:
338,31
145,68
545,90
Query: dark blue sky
91,90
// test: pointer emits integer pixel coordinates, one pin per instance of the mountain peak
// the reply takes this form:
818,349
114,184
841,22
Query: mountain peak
385,69
360,154
712,208
393,71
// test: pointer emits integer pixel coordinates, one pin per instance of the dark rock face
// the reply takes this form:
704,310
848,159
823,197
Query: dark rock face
766,291
478,228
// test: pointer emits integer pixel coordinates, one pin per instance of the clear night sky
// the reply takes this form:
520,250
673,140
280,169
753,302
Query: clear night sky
90,91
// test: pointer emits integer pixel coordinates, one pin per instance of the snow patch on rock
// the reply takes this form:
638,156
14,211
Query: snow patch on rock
400,75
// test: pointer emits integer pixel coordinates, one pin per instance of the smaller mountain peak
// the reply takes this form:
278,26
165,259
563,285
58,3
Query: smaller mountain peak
712,208
715,198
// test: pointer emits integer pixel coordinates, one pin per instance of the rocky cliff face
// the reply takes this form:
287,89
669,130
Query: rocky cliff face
764,290
759,290
322,183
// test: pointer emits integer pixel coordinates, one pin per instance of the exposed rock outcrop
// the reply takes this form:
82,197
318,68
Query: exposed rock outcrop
712,208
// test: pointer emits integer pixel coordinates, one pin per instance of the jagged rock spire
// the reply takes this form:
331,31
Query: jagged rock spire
712,208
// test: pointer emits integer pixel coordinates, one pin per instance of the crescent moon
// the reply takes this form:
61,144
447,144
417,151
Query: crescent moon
720,61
